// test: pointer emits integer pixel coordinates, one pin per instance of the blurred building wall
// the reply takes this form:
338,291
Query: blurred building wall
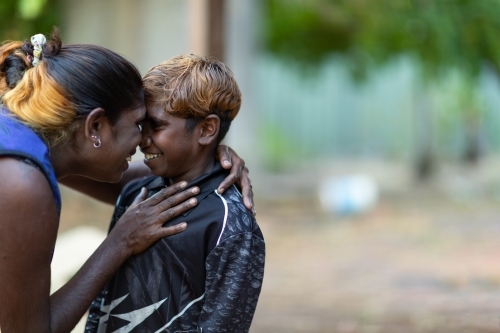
150,31
145,32
288,115
242,51
325,113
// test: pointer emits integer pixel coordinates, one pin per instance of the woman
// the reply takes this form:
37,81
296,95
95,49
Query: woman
71,111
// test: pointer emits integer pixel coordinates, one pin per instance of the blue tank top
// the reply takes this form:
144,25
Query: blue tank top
18,140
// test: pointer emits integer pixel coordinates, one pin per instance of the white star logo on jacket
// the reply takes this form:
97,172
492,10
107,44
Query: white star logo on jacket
135,317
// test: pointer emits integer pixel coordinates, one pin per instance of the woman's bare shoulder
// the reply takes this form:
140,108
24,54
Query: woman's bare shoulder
25,191
27,237
19,179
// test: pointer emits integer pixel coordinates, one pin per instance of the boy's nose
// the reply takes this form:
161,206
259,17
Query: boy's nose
146,138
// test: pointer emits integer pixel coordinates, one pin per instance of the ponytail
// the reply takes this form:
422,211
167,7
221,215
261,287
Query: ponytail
13,64
31,94
67,83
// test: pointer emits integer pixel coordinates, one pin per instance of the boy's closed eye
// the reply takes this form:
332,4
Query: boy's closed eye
153,124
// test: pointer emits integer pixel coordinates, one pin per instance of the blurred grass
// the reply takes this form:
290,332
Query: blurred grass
82,210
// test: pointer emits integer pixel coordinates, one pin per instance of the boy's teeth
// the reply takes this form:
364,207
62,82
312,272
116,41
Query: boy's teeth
129,158
151,156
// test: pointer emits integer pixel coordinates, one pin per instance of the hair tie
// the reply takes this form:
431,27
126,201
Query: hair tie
37,41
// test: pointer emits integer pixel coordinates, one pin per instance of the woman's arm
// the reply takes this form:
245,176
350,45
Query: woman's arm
27,238
109,192
238,175
106,192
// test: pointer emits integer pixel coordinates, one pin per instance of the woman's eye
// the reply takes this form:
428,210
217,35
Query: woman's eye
139,125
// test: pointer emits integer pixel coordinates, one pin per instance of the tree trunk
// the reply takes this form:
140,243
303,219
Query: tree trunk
425,161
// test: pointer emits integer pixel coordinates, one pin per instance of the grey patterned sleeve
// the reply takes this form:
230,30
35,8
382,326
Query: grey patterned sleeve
235,269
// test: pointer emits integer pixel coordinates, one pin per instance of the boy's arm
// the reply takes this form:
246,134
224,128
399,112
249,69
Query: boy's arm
235,269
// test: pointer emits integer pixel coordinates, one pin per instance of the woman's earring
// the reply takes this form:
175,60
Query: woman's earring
98,142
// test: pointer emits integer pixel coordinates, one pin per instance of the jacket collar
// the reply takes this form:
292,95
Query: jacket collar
207,183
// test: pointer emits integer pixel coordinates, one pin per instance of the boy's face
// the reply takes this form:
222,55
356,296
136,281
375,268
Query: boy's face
169,150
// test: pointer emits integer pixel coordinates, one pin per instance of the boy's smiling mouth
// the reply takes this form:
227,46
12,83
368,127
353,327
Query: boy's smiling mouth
151,156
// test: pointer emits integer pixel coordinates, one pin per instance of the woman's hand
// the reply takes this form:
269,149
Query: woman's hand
142,224
238,175
139,227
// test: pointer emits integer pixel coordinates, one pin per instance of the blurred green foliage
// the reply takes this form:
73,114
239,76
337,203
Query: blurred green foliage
441,34
20,19
280,150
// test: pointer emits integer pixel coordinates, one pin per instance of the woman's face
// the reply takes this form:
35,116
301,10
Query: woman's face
119,143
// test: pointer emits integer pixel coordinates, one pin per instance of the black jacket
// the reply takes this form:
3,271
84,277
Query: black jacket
205,279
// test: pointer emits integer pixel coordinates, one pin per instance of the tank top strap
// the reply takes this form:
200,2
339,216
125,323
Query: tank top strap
18,140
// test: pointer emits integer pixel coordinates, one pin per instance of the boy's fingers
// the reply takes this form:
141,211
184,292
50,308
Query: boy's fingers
172,230
177,210
141,196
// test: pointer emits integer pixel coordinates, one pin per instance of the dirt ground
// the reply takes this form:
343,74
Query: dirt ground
424,259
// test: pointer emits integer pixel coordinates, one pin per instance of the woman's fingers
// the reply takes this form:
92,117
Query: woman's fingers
246,190
168,205
164,203
172,230
238,174
237,166
223,154
142,224
167,192
177,210
230,180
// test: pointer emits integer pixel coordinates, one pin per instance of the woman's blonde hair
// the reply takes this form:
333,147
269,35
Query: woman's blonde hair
68,83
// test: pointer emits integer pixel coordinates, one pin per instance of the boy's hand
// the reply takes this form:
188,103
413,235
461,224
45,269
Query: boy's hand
238,175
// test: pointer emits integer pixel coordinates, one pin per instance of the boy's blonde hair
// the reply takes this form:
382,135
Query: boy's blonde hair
193,87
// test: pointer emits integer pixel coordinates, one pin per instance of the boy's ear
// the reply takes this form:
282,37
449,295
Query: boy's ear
209,130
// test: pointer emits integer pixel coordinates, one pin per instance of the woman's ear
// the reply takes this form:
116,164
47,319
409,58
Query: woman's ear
94,124
209,130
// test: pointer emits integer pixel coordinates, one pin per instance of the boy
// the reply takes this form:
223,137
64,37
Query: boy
207,278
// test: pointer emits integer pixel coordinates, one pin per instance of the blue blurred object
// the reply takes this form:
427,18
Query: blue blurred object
349,195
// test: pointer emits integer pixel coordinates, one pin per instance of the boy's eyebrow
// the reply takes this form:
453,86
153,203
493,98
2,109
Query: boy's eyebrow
155,119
